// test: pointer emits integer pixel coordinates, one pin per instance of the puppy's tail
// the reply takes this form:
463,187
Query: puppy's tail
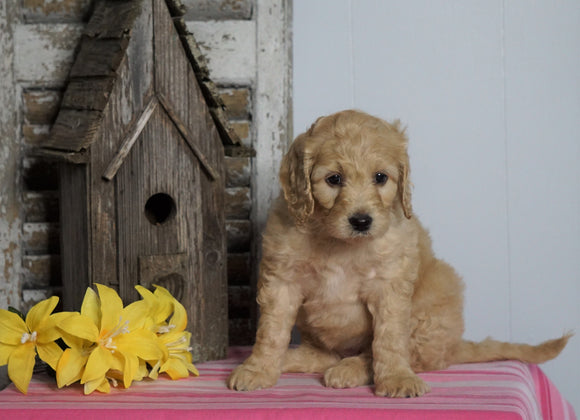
489,350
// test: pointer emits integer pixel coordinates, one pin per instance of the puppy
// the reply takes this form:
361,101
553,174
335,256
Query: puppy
345,260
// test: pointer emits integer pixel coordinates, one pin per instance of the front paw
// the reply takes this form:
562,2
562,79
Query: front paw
249,378
402,386
348,373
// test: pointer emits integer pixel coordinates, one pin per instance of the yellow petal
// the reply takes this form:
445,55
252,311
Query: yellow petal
192,369
11,328
100,384
160,308
70,367
49,352
48,330
80,326
111,307
40,312
118,362
155,370
130,370
105,386
74,341
179,318
5,350
97,365
91,306
137,314
175,369
20,366
141,343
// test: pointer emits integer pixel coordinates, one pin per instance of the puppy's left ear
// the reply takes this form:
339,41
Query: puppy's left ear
404,187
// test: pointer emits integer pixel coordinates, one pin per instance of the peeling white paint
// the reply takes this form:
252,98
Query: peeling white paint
273,98
45,52
230,49
10,202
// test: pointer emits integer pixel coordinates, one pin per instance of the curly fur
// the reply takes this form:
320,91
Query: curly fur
372,302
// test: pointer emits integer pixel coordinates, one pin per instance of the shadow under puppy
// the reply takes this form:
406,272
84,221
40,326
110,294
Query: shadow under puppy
345,260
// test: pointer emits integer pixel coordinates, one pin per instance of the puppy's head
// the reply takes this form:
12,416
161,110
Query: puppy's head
348,175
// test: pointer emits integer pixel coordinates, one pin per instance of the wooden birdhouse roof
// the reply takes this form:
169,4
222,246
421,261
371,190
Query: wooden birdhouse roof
114,26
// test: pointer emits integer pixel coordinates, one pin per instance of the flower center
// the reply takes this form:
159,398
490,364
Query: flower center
107,339
164,329
28,338
179,345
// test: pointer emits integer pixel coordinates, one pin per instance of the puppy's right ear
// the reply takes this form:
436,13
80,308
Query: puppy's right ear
295,179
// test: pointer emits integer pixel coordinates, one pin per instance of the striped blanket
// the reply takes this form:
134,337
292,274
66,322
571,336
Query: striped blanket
499,390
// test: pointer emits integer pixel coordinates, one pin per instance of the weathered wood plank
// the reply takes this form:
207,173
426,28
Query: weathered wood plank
128,97
31,297
228,45
40,206
40,238
242,332
34,135
272,102
39,174
40,271
55,10
201,198
230,48
238,203
218,9
188,137
74,130
99,57
130,138
41,105
237,102
10,149
90,95
239,269
112,18
45,53
239,234
242,129
238,171
75,234
239,151
240,299
214,265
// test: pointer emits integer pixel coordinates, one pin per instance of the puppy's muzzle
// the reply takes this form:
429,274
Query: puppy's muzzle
360,222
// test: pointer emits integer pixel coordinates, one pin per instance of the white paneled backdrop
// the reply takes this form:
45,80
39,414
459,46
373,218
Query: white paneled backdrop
490,93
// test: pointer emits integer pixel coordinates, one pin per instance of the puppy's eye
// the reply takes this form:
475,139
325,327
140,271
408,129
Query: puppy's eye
334,180
381,178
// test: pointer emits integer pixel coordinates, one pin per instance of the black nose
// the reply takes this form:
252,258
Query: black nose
360,222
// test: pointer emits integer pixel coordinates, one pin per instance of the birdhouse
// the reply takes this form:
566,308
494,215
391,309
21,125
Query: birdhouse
141,135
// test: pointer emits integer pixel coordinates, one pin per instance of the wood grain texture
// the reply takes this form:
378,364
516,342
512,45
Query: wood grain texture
75,239
10,149
129,139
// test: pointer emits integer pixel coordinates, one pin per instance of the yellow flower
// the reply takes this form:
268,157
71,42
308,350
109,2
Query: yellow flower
106,340
20,340
176,361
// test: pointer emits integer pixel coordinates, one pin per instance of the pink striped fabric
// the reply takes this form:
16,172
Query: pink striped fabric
499,390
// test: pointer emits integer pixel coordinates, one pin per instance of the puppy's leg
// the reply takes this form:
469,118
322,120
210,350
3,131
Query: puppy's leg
350,372
308,359
279,306
390,306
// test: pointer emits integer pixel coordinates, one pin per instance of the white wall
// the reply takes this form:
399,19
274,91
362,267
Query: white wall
490,92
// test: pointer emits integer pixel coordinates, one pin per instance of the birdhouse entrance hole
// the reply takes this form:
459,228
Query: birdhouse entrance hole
160,208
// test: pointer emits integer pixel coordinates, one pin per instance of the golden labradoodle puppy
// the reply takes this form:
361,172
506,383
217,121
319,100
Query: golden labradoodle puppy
345,260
